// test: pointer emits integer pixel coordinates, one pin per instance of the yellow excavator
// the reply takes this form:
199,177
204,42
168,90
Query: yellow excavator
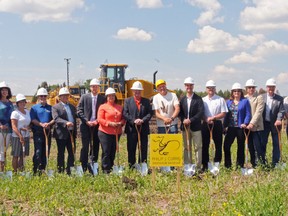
113,75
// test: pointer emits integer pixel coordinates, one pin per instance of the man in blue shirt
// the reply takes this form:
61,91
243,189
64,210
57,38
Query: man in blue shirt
41,117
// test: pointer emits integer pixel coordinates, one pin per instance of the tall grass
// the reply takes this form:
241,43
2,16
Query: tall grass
230,193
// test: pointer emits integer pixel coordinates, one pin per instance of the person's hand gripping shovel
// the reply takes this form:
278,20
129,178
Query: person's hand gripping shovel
214,167
117,169
246,171
142,167
93,167
46,132
77,169
7,174
189,168
281,165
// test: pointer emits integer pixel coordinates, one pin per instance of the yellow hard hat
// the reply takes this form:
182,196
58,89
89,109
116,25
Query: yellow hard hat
159,82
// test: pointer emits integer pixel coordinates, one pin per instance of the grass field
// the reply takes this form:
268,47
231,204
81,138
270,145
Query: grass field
230,193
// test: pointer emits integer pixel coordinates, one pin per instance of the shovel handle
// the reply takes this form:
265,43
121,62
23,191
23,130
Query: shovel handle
210,128
186,127
46,134
246,133
279,140
71,133
91,142
138,129
4,134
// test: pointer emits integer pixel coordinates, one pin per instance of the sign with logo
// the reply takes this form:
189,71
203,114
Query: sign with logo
166,150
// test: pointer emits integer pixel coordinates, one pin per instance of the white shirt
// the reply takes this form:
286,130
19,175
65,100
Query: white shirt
23,120
166,106
268,105
94,104
214,105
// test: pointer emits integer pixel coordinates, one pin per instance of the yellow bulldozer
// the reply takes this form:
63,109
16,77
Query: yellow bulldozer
113,75
75,91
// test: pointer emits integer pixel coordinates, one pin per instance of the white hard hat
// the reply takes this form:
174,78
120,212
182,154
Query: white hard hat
110,91
236,86
271,82
189,80
20,97
64,91
210,83
250,82
137,86
42,91
3,85
94,82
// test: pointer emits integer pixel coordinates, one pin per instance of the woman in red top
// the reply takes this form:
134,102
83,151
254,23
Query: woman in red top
110,122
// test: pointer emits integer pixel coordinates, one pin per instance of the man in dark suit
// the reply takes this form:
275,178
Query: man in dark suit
87,111
64,115
273,114
191,114
137,112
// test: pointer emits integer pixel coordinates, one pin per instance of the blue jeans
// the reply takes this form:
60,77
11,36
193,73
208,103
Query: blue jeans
173,129
275,142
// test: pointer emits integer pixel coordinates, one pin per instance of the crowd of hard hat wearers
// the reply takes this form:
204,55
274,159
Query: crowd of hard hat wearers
249,119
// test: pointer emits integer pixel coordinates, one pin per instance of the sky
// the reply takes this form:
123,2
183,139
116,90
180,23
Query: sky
224,40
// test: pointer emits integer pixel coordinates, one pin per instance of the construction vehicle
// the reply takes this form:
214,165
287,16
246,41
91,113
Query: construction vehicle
75,94
113,75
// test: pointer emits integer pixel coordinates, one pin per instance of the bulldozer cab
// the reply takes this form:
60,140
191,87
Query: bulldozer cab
113,75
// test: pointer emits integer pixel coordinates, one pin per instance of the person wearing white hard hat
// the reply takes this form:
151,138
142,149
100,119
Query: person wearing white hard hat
20,119
64,115
256,124
191,114
236,120
273,115
41,118
137,112
87,112
166,107
215,109
6,108
111,121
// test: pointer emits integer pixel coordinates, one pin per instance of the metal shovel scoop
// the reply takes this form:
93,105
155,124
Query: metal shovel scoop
49,172
93,166
214,168
189,169
142,167
77,169
280,165
246,171
6,174
117,169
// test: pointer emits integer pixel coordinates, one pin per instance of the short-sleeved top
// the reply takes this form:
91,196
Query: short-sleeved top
42,114
214,105
23,120
166,105
6,108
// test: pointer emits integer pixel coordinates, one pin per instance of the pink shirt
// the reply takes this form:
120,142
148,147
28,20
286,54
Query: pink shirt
110,113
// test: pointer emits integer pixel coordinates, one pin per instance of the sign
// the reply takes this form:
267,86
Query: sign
166,150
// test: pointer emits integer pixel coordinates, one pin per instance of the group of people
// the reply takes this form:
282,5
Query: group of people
102,120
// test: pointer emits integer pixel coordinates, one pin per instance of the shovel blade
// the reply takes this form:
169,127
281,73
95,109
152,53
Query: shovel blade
165,169
189,169
95,169
214,168
118,170
144,169
50,173
246,171
281,166
79,171
25,174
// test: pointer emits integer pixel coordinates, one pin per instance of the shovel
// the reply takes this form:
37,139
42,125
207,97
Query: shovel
7,174
93,166
49,172
189,169
142,168
166,169
213,167
117,169
24,173
246,171
76,170
280,165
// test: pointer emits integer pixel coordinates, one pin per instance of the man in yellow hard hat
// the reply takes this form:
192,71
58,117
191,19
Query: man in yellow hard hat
166,106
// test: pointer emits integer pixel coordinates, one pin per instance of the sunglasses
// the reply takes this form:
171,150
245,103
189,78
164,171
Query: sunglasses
43,96
251,87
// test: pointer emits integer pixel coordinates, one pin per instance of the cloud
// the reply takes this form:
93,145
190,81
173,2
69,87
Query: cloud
222,69
209,15
265,15
282,78
263,50
130,33
39,10
149,3
215,40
